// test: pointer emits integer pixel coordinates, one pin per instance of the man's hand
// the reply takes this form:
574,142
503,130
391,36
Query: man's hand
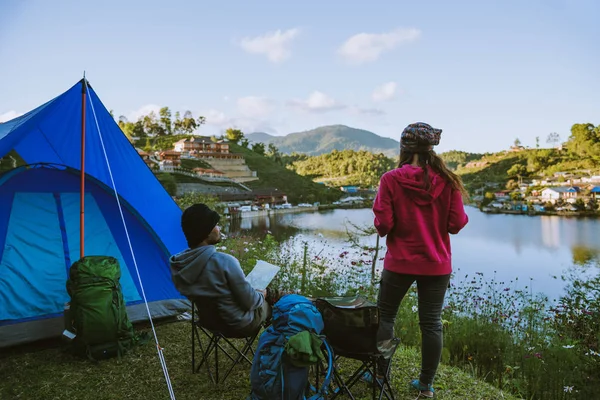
264,292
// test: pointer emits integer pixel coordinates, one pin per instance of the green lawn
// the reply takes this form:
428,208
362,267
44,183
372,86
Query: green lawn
51,374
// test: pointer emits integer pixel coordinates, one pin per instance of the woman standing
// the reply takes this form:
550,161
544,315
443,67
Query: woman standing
418,205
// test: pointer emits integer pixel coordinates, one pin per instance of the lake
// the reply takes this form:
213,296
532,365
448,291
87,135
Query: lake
534,249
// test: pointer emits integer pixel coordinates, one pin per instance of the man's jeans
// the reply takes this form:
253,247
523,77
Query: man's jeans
431,290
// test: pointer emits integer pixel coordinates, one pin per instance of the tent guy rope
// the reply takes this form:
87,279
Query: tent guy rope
159,349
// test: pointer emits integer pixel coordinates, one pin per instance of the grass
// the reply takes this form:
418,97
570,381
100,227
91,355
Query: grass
52,374
273,175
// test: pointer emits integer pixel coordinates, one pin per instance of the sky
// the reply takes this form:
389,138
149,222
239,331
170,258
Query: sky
485,72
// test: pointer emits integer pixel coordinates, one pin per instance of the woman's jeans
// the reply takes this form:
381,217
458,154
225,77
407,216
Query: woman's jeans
431,290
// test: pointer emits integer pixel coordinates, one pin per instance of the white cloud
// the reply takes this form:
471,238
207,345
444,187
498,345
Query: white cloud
385,92
7,116
274,45
221,121
249,125
254,107
368,111
215,117
366,47
317,102
133,116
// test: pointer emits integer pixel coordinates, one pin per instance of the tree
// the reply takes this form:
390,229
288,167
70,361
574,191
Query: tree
258,148
273,152
245,143
151,125
511,185
177,124
235,135
165,120
537,142
188,124
127,127
488,198
584,140
516,170
553,139
517,142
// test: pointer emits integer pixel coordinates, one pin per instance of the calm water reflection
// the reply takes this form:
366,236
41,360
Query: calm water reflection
503,246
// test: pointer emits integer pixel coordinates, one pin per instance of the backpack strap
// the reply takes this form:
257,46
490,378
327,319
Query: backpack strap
323,390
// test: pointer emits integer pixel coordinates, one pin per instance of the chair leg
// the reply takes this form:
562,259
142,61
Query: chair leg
193,338
217,361
193,348
216,344
242,354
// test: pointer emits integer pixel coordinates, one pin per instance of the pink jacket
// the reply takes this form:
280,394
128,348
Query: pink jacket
418,223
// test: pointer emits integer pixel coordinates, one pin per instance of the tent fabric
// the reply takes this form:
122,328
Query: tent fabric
39,217
39,210
51,133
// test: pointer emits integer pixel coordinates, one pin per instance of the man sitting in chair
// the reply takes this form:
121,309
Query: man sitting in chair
226,302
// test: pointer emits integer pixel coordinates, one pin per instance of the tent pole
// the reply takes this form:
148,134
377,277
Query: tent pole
82,194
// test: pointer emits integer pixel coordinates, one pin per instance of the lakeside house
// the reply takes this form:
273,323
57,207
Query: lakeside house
201,144
503,195
349,189
169,160
146,157
595,192
553,194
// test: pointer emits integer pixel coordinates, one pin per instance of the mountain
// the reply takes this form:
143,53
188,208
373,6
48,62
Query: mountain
260,137
327,138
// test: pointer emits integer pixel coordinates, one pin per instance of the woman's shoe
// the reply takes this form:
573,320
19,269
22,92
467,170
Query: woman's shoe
425,390
368,377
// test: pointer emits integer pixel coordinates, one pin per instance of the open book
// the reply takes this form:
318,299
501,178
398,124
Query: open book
262,274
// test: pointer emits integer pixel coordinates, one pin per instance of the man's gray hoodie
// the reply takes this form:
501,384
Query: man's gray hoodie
217,277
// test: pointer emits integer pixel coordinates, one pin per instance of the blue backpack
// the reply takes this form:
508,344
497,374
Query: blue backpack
273,377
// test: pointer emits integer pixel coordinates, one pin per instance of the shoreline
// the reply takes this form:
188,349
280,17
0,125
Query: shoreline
272,211
566,214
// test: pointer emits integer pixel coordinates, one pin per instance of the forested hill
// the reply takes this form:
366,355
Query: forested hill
325,139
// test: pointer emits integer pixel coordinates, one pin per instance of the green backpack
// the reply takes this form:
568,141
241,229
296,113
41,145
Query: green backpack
98,317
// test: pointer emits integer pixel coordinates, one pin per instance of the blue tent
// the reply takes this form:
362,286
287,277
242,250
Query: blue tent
39,216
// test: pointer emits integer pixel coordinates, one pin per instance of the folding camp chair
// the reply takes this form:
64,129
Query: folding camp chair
215,340
351,325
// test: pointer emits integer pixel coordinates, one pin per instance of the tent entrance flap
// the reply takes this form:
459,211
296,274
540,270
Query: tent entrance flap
34,262
33,275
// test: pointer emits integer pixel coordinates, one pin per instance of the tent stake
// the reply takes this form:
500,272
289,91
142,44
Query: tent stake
82,195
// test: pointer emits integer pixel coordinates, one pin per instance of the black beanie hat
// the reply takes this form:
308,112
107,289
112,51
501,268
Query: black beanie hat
197,222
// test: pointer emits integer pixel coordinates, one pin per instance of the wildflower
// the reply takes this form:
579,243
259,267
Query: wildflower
415,308
320,235
246,250
568,389
569,346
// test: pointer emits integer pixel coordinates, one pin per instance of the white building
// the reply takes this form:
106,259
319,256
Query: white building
563,193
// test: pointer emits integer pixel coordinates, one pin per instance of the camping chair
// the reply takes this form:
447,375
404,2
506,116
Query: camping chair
215,340
351,325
